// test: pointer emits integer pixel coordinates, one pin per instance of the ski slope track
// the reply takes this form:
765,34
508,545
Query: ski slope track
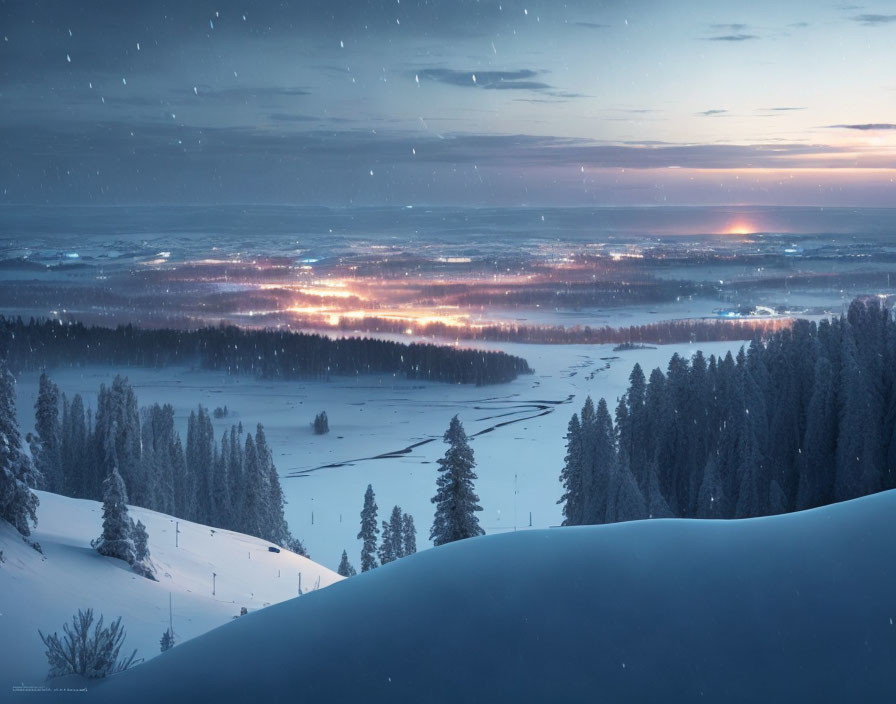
793,608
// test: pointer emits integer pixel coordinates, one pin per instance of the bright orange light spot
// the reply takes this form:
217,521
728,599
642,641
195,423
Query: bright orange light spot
740,228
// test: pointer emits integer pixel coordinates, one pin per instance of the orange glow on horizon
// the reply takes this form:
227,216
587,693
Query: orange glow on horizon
739,228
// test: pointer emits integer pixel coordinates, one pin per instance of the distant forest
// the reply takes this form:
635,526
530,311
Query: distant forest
232,484
803,418
269,354
664,332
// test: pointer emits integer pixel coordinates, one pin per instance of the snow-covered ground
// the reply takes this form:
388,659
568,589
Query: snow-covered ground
518,431
44,591
792,608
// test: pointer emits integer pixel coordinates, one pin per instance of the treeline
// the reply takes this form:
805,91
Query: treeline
269,354
804,418
659,333
231,484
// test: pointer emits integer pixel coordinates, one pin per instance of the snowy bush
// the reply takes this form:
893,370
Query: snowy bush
80,652
321,425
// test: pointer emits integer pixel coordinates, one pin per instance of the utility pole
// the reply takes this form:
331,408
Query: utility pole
515,492
214,575
176,533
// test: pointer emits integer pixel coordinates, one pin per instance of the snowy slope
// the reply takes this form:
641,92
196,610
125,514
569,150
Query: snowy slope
44,592
794,608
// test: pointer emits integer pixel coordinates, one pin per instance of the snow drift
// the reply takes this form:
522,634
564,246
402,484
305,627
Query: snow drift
790,608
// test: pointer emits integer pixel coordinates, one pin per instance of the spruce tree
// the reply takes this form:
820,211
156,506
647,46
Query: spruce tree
571,475
392,545
116,540
386,551
345,567
456,501
18,504
369,531
141,542
46,452
275,526
256,495
408,535
75,445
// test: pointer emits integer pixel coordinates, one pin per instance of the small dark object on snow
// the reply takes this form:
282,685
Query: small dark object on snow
273,549
321,424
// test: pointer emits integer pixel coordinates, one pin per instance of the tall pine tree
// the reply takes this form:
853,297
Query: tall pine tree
18,504
456,501
369,531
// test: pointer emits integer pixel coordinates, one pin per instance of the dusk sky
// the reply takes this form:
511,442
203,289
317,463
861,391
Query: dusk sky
448,102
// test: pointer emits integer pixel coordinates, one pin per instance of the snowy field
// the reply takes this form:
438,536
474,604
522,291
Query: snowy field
791,608
387,431
44,591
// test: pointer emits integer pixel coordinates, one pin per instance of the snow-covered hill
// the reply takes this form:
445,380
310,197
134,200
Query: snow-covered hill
794,608
44,591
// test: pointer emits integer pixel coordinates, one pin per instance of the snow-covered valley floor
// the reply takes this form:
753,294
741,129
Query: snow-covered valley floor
387,431
44,591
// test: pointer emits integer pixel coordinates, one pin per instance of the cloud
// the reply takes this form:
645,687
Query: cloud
711,113
733,27
785,109
591,25
867,126
245,94
732,37
874,20
522,79
489,80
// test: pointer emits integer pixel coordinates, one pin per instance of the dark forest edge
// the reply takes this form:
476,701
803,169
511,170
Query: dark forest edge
232,484
268,354
803,418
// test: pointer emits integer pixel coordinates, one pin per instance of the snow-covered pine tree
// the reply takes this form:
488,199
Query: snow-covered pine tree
237,478
276,528
392,545
47,452
255,494
141,565
116,540
345,567
200,461
117,441
604,465
456,501
408,534
74,447
219,501
141,541
571,474
386,550
183,497
18,504
369,531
